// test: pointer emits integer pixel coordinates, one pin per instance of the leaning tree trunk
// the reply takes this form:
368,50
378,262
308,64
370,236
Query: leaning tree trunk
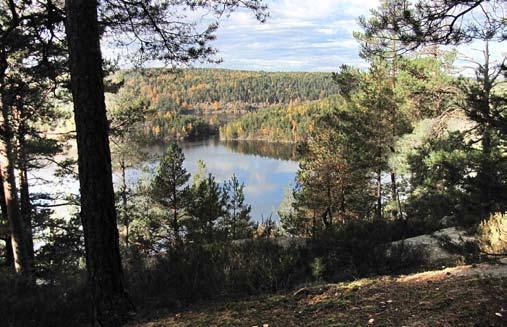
98,213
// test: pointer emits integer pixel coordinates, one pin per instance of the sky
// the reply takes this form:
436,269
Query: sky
299,35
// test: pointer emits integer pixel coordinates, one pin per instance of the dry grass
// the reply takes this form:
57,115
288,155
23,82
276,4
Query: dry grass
464,296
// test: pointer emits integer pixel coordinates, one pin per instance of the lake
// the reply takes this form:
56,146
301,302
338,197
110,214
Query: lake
266,169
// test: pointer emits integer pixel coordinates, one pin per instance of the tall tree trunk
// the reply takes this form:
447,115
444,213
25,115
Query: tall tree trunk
25,204
379,194
126,218
19,239
486,171
21,258
394,192
98,213
394,73
175,223
6,235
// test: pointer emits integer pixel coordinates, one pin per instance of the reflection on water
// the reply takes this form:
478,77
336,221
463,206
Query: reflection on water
283,151
265,168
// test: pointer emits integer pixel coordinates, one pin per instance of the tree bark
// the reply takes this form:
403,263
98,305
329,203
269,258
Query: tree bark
19,239
126,218
21,258
98,213
25,204
379,194
9,256
485,174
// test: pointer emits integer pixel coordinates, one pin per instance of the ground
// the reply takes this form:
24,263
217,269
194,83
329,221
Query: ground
462,296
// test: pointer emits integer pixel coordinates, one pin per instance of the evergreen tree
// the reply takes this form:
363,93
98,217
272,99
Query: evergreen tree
32,62
208,207
237,222
485,104
170,191
153,26
425,22
127,114
98,212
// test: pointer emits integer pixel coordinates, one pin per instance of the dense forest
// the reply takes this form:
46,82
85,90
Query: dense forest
423,86
200,89
411,147
193,103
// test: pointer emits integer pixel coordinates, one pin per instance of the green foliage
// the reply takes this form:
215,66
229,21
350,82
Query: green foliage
220,89
291,123
237,222
170,192
208,206
63,304
61,255
174,102
169,213
195,272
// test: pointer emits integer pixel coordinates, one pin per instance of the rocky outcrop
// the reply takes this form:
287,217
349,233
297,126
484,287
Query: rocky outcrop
445,247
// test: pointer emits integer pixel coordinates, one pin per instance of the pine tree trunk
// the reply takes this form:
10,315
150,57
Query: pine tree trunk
379,194
19,239
20,256
98,213
25,204
126,218
9,259
486,174
394,192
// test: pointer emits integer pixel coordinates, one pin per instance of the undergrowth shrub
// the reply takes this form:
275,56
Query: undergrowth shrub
65,304
492,234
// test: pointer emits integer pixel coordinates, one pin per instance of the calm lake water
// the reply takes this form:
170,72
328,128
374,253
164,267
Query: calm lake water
267,169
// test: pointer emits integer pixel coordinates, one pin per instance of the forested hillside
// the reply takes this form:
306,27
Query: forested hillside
283,123
221,89
401,167
423,86
168,98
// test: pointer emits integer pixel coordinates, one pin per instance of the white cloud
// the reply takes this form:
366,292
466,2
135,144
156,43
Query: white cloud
299,35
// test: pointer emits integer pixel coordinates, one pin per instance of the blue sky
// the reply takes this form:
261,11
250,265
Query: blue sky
300,35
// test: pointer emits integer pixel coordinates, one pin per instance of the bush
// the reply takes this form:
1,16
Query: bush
492,234
67,304
205,271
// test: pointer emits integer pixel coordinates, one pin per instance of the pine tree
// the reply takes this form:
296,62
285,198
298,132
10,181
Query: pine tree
98,212
237,222
127,114
154,31
170,191
206,211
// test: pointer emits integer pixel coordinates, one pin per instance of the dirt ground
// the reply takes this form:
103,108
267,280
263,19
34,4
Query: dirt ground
461,296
